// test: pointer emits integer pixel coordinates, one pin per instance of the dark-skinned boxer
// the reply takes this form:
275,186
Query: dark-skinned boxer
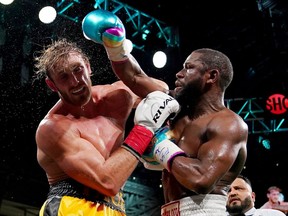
204,148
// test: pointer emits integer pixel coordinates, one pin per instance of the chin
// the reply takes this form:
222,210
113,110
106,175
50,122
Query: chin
177,89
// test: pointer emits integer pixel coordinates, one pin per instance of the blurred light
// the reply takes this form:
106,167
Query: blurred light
159,59
6,2
281,197
265,142
145,33
47,14
129,45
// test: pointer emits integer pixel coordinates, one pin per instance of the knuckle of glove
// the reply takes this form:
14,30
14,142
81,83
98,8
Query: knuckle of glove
97,22
153,110
113,37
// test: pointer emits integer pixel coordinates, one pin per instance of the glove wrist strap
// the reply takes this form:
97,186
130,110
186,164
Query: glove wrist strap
166,151
119,53
137,140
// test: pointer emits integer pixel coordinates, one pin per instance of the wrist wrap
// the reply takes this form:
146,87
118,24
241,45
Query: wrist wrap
166,151
119,53
137,140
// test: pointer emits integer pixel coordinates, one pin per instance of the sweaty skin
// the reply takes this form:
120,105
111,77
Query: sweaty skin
92,137
214,156
80,136
213,137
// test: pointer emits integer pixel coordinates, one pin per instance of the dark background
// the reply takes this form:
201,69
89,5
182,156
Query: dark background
254,37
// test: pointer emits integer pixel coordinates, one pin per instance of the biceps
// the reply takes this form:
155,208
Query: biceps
76,154
218,154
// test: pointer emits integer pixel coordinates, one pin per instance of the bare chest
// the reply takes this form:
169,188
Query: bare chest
190,135
102,132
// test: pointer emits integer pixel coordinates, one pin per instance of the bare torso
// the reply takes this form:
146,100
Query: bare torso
192,136
101,131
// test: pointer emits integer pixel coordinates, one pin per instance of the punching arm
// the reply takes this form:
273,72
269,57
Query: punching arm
150,115
104,27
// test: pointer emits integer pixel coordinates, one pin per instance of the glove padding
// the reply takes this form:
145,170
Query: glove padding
150,114
99,21
113,37
154,110
161,150
106,28
148,159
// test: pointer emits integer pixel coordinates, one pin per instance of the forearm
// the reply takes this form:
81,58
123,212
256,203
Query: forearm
135,78
106,28
120,166
190,173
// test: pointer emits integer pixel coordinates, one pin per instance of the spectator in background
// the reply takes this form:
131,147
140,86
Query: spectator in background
241,200
274,202
273,195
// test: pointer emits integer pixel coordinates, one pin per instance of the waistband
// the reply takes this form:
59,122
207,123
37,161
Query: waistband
202,204
70,187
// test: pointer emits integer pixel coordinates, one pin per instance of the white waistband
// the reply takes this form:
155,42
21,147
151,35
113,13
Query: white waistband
200,205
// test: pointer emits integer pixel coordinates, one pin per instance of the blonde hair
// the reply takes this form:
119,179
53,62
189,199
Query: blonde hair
50,55
273,188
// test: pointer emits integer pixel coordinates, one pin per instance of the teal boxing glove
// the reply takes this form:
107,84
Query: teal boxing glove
97,22
161,151
106,28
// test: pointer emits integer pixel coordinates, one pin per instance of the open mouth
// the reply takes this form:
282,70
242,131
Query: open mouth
78,91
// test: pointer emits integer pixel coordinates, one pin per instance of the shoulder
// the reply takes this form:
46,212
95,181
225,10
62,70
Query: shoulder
118,89
50,127
229,121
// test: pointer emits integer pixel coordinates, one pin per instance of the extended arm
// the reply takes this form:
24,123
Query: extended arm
105,28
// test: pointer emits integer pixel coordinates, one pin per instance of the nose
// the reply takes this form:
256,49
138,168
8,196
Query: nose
232,192
74,79
180,74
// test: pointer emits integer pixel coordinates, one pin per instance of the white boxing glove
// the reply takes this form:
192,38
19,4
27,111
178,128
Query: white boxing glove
153,110
150,115
161,150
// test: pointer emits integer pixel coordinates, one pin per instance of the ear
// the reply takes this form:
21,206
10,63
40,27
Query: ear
51,85
213,76
253,195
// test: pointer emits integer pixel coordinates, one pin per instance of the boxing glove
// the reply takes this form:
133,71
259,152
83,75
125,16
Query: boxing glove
161,150
106,28
150,114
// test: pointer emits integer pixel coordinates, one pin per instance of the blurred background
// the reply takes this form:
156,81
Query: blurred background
253,33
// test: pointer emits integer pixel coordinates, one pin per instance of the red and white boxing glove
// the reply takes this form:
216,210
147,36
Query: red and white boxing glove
150,115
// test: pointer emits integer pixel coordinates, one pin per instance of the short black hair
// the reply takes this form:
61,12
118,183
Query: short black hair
245,179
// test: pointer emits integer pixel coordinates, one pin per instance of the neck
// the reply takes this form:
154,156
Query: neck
205,106
87,110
